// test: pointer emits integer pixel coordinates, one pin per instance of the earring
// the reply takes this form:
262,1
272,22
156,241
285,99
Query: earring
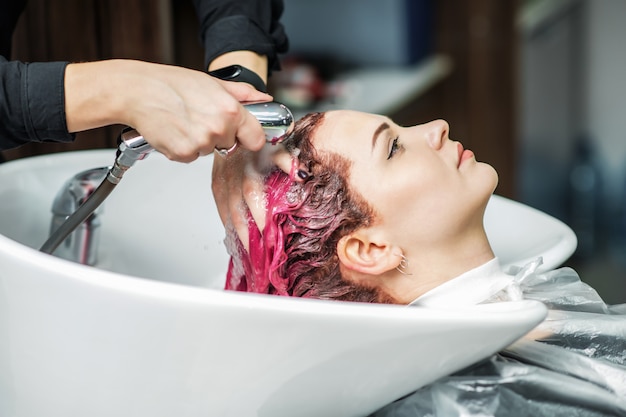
403,266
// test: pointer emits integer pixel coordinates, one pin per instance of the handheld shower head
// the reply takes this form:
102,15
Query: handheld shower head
275,118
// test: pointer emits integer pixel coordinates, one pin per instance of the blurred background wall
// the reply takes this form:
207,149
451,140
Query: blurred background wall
571,152
535,87
477,98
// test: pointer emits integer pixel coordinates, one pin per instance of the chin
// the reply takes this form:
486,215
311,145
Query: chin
488,177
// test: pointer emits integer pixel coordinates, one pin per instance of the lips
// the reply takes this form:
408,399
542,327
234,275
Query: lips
464,154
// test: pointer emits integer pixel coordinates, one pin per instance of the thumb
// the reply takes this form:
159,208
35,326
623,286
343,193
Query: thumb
244,92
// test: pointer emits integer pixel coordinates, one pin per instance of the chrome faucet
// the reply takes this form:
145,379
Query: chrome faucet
82,244
75,226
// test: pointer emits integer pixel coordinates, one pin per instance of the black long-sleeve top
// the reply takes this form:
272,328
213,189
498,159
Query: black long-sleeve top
32,95
250,25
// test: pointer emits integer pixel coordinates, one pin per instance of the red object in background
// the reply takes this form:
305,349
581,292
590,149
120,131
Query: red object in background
298,84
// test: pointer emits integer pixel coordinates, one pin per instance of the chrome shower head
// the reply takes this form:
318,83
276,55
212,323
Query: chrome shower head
275,118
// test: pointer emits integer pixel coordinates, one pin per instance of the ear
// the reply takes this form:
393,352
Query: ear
361,253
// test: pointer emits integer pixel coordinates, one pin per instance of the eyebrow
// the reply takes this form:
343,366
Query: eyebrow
380,129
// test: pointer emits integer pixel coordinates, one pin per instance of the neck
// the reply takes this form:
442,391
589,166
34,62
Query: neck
431,266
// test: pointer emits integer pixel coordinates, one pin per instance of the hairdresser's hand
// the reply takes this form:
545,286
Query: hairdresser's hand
238,193
238,186
182,113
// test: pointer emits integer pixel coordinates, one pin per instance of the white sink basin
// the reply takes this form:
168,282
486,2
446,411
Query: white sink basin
519,234
105,341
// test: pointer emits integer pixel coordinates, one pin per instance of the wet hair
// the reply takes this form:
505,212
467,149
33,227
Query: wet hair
297,253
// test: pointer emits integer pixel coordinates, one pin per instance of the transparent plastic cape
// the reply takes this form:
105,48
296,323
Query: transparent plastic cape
572,365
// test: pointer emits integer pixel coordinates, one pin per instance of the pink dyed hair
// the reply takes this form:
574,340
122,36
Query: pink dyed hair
296,254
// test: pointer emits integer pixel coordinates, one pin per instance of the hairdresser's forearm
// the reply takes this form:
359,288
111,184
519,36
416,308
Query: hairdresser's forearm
123,91
182,113
94,93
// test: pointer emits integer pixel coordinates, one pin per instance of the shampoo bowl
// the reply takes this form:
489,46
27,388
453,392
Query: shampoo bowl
148,332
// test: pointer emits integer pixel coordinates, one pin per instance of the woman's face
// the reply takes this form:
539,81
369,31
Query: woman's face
424,187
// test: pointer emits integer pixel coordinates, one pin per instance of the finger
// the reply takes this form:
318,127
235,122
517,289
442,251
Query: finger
227,185
244,92
238,211
176,156
219,187
250,134
290,165
238,217
254,197
283,160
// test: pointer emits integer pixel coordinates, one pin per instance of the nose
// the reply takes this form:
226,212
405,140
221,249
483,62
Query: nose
437,133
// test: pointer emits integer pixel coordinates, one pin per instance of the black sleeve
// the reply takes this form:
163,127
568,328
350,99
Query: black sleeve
32,103
242,25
